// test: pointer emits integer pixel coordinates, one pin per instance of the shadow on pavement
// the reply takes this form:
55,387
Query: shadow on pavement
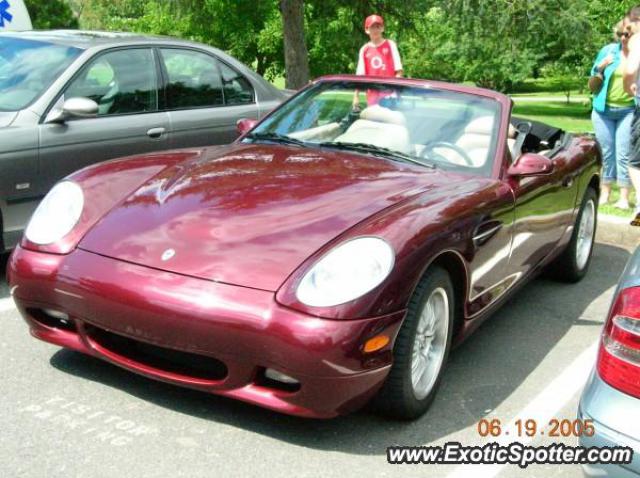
482,372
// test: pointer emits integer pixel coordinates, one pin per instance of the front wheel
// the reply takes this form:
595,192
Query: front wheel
573,263
421,349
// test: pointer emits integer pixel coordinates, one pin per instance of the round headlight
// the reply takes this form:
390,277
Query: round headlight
347,272
57,214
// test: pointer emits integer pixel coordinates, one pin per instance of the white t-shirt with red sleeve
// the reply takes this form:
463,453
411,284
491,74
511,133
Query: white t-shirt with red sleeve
381,60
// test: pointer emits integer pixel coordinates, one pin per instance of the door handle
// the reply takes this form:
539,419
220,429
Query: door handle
155,132
486,231
567,182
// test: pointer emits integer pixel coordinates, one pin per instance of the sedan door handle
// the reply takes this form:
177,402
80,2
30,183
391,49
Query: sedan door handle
155,132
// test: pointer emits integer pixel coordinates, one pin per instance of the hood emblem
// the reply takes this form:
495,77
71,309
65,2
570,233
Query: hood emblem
168,254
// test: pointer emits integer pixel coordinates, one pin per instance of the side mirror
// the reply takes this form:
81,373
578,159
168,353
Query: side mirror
531,164
245,125
74,108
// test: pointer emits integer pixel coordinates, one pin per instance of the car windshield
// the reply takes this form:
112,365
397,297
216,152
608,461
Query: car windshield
27,68
431,126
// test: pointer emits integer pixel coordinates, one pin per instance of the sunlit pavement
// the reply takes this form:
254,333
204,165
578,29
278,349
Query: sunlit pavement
64,414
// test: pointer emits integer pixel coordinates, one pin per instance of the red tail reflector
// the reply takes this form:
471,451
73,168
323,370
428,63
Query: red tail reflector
619,354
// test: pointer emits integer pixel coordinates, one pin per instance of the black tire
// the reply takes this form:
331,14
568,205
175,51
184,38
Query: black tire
566,267
396,398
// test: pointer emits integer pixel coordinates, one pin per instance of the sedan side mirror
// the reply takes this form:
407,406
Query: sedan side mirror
531,164
74,108
245,125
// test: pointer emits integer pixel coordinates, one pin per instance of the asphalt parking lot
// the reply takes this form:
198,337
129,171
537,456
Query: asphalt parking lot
65,414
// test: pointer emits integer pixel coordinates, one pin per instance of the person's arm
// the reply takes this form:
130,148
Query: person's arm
359,71
633,63
602,54
600,67
397,62
356,100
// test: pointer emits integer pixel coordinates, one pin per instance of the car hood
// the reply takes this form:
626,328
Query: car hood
6,118
251,214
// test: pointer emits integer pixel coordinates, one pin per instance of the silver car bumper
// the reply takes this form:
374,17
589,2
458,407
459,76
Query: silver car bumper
616,419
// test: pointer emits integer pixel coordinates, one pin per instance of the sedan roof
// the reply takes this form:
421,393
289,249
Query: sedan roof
86,39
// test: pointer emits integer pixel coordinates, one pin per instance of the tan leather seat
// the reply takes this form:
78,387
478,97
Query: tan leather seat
319,133
379,126
475,141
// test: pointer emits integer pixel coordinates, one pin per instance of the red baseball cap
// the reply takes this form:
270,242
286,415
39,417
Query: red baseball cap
371,19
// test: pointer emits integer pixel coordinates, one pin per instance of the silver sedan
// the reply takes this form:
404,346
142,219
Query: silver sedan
612,395
72,98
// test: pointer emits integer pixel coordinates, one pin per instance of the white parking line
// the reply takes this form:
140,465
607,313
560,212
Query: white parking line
7,304
542,409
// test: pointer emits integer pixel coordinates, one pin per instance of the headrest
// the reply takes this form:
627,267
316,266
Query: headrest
480,125
383,115
377,133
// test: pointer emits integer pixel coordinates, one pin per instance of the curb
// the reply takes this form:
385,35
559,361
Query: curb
617,231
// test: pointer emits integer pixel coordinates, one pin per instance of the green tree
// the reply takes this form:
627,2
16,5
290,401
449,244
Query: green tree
249,30
493,43
335,30
604,14
498,43
51,14
252,30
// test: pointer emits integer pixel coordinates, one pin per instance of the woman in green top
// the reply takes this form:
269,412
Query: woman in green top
612,116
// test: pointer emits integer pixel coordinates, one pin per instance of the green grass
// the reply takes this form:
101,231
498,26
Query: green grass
549,85
574,117
575,95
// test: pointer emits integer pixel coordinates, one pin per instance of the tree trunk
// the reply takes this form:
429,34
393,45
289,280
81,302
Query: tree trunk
261,66
296,56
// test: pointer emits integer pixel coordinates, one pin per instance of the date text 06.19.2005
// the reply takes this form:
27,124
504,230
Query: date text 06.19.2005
530,427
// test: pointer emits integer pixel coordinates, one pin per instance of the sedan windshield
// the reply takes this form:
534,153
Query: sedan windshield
27,68
432,127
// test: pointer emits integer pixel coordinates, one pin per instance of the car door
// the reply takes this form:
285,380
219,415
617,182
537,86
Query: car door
491,238
543,213
205,98
19,166
124,84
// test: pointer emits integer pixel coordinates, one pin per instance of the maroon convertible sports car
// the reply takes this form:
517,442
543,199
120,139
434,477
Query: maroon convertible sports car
328,257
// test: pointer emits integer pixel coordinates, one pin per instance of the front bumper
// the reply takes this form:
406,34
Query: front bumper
242,330
615,416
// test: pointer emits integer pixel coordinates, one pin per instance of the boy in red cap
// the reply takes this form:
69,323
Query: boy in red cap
380,56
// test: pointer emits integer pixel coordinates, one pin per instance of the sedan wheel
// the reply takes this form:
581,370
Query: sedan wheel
421,348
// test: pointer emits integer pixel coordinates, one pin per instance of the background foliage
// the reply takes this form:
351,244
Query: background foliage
493,43
51,14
